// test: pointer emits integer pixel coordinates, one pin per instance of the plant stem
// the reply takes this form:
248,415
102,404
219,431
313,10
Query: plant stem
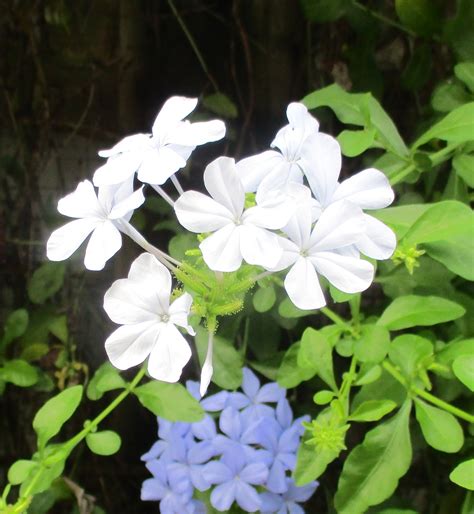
427,396
193,44
176,184
336,319
163,194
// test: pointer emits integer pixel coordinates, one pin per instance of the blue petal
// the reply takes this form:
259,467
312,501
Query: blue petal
230,423
235,458
294,508
197,478
216,472
155,451
255,473
289,440
250,383
204,429
223,496
271,392
270,502
247,497
237,400
284,413
215,402
201,452
193,387
276,482
300,494
153,490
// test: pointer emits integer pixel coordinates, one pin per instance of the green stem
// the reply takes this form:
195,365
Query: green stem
336,319
427,396
344,391
74,441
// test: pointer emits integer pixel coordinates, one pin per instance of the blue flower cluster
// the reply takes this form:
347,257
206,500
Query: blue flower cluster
248,462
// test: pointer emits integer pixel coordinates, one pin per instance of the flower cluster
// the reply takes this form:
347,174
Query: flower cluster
248,462
283,209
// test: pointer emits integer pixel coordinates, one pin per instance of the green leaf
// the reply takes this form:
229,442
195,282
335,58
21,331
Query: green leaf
419,67
463,368
441,429
34,352
323,11
464,166
323,397
220,104
449,95
311,463
458,31
58,327
106,378
55,412
290,374
457,254
412,311
15,326
355,142
264,299
226,360
20,470
316,353
287,309
19,373
46,281
463,474
441,222
372,470
401,218
464,71
385,388
411,354
420,16
106,442
373,344
455,127
180,244
360,109
372,410
368,375
170,401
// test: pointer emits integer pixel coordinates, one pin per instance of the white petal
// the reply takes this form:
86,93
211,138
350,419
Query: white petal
299,226
137,142
199,133
282,175
118,168
131,344
341,224
169,355
65,240
207,368
159,164
302,286
252,170
127,303
369,189
179,312
299,117
224,185
82,203
321,163
125,208
259,247
379,241
199,213
174,110
274,217
221,250
154,280
290,255
104,242
348,274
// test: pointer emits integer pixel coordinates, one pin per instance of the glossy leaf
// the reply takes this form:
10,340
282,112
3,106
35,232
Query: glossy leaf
170,401
311,463
355,142
106,378
55,412
463,368
372,410
20,470
440,429
412,310
463,474
372,470
106,442
464,166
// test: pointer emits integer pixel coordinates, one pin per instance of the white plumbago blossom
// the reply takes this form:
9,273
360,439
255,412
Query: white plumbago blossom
327,249
141,304
238,233
159,155
273,169
369,189
103,214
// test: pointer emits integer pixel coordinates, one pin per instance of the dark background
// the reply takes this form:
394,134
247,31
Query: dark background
76,76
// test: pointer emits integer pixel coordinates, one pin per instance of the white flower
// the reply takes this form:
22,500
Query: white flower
326,249
272,169
369,189
102,215
165,151
238,233
141,304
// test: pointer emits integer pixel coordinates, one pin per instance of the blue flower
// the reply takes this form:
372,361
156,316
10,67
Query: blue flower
288,502
235,476
172,443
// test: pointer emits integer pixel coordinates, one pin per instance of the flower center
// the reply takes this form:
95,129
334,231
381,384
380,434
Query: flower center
164,318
